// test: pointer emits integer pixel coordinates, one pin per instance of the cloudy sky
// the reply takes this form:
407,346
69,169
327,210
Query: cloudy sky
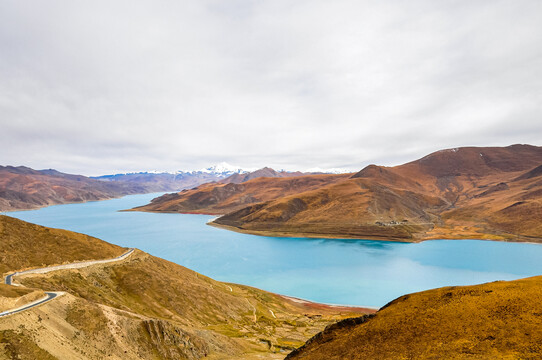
97,87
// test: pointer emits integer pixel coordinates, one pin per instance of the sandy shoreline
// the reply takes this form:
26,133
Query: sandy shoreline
324,306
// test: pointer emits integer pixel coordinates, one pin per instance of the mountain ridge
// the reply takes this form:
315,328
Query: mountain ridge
221,198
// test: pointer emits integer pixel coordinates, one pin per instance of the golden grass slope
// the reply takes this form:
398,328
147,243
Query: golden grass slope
499,320
26,245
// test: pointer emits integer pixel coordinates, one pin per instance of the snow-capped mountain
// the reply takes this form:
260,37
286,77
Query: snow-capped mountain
155,181
222,169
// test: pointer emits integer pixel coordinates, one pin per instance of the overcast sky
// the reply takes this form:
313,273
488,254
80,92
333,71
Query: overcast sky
96,87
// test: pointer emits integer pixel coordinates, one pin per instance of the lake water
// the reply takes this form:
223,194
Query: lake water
353,272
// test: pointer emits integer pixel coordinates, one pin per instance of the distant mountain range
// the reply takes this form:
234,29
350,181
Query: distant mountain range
23,188
471,192
238,178
171,181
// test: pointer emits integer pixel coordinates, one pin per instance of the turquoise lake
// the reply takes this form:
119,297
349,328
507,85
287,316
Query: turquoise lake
351,272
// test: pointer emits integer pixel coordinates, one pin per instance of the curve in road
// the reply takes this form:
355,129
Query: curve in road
50,295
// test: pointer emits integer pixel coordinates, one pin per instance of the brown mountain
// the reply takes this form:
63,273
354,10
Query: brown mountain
493,193
142,307
23,188
214,198
471,192
499,320
264,172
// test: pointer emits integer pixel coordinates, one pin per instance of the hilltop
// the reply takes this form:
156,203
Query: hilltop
499,320
472,192
140,307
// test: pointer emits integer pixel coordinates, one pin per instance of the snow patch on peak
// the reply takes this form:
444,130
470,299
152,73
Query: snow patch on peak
220,170
223,167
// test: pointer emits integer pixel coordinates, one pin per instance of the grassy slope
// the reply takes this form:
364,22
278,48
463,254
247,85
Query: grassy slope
26,245
500,320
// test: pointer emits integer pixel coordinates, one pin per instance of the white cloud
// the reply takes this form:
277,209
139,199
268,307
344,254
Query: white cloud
101,87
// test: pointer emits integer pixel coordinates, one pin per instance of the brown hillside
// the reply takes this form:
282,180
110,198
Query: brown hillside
351,209
142,307
489,193
499,320
23,188
216,198
477,161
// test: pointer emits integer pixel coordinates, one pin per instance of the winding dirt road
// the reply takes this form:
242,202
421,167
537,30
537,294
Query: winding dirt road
50,295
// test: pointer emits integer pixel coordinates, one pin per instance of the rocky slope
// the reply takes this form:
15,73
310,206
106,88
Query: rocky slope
499,320
489,193
142,307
